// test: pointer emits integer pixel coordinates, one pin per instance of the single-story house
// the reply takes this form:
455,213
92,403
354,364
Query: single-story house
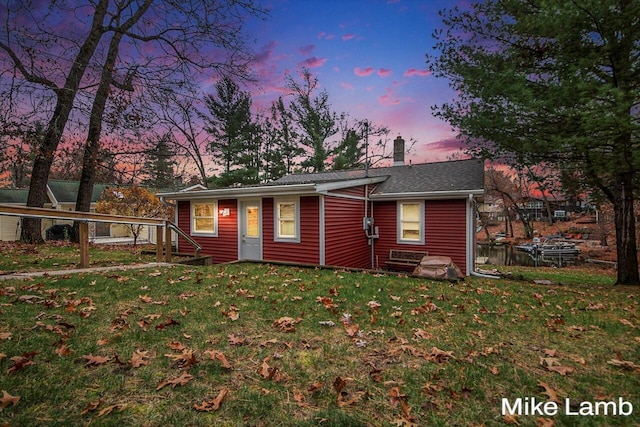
350,218
61,195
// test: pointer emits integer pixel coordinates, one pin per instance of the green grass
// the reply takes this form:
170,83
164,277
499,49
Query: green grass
21,257
452,351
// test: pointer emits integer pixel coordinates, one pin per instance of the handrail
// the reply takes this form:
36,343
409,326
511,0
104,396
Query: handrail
31,212
185,236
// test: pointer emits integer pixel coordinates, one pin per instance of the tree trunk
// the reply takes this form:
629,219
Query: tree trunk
624,219
31,227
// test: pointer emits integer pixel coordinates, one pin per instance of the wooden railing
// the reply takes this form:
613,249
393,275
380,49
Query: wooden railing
84,218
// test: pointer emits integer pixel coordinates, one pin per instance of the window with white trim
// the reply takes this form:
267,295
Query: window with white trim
287,220
411,222
204,217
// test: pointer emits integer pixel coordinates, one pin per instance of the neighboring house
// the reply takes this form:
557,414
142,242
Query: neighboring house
61,195
341,218
10,225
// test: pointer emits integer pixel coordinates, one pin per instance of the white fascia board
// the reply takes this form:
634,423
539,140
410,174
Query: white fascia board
339,185
240,192
428,195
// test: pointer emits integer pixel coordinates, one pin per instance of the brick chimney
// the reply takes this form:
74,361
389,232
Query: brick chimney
398,151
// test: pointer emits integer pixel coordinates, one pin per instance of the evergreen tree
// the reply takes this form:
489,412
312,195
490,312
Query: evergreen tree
160,166
553,82
229,123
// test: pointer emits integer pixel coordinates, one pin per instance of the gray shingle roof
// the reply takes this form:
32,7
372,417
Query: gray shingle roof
67,191
456,175
12,195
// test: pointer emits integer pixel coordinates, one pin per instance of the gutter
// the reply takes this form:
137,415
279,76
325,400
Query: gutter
428,195
242,192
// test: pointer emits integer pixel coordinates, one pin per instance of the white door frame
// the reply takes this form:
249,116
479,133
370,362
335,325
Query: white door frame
243,247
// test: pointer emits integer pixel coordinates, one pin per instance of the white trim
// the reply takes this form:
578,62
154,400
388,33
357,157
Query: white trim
276,219
427,195
322,232
193,231
339,185
241,216
471,236
243,192
399,238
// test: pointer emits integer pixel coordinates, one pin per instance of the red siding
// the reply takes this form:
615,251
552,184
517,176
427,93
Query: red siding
345,242
445,230
224,247
308,249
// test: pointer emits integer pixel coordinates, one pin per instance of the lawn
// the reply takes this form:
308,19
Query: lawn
20,257
263,345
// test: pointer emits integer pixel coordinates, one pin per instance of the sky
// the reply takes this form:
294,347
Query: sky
370,57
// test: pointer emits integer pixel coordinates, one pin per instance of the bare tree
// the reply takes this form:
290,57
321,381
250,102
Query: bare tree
176,42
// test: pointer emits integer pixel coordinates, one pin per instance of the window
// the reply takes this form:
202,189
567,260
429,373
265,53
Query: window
203,218
411,222
287,218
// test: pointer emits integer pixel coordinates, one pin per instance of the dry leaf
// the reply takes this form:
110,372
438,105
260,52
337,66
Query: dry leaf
139,358
109,409
551,394
511,419
562,370
235,340
95,360
19,362
63,350
287,324
92,406
180,381
422,334
7,400
351,329
626,322
218,355
185,359
5,335
214,404
545,422
267,372
623,364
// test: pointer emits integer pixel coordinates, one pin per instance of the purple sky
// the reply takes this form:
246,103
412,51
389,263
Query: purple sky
370,57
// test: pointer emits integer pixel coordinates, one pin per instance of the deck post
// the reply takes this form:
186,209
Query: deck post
159,247
167,242
83,229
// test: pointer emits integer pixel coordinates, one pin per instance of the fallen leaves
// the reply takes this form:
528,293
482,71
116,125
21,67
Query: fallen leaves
286,324
8,399
21,362
218,355
95,360
182,380
214,404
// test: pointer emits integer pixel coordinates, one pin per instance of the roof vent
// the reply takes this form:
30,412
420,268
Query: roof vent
398,151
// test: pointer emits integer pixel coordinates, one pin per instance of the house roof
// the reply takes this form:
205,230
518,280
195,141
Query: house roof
12,195
67,191
442,180
420,179
58,191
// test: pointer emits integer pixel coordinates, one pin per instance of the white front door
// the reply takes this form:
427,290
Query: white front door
250,229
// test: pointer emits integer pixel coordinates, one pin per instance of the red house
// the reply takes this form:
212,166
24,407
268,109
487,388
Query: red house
340,218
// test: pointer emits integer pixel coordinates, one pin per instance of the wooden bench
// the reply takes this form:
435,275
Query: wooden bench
404,260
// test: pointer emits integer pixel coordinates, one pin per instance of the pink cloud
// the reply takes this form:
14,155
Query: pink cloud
346,85
389,98
348,36
363,72
415,72
323,35
307,49
313,62
384,72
